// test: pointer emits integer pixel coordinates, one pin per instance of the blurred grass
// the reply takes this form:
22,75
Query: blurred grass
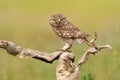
26,23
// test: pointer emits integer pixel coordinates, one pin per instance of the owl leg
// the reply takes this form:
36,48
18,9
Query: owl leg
67,47
92,42
94,39
88,43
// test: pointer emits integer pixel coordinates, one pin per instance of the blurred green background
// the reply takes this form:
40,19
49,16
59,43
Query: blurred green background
25,22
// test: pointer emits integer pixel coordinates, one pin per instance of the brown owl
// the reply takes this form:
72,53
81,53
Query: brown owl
67,31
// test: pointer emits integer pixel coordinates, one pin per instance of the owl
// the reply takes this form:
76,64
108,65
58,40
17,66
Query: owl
68,32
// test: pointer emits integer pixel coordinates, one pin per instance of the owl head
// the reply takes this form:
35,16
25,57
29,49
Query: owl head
58,20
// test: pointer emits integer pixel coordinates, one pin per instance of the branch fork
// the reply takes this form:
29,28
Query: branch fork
66,69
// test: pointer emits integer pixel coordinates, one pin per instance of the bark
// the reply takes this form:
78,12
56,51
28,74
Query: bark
66,69
21,52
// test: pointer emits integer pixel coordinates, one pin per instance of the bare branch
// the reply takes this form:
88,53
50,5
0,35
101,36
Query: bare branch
66,70
20,52
91,51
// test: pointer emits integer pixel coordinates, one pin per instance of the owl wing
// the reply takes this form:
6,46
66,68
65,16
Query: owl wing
70,31
82,35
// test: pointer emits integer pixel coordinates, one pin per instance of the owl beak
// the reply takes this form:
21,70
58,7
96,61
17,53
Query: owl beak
58,21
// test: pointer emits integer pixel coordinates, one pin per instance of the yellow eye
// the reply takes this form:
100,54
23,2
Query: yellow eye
53,21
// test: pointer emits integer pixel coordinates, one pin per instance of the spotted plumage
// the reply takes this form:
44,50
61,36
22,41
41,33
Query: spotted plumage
67,31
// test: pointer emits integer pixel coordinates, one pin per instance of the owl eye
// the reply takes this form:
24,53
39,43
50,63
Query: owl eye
63,20
53,20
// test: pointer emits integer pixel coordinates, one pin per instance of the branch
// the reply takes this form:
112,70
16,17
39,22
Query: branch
65,70
20,52
93,51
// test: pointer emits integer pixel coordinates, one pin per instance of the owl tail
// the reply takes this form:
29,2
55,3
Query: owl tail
88,43
87,35
92,42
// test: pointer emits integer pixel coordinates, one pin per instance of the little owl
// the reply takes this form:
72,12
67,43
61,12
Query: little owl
68,32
